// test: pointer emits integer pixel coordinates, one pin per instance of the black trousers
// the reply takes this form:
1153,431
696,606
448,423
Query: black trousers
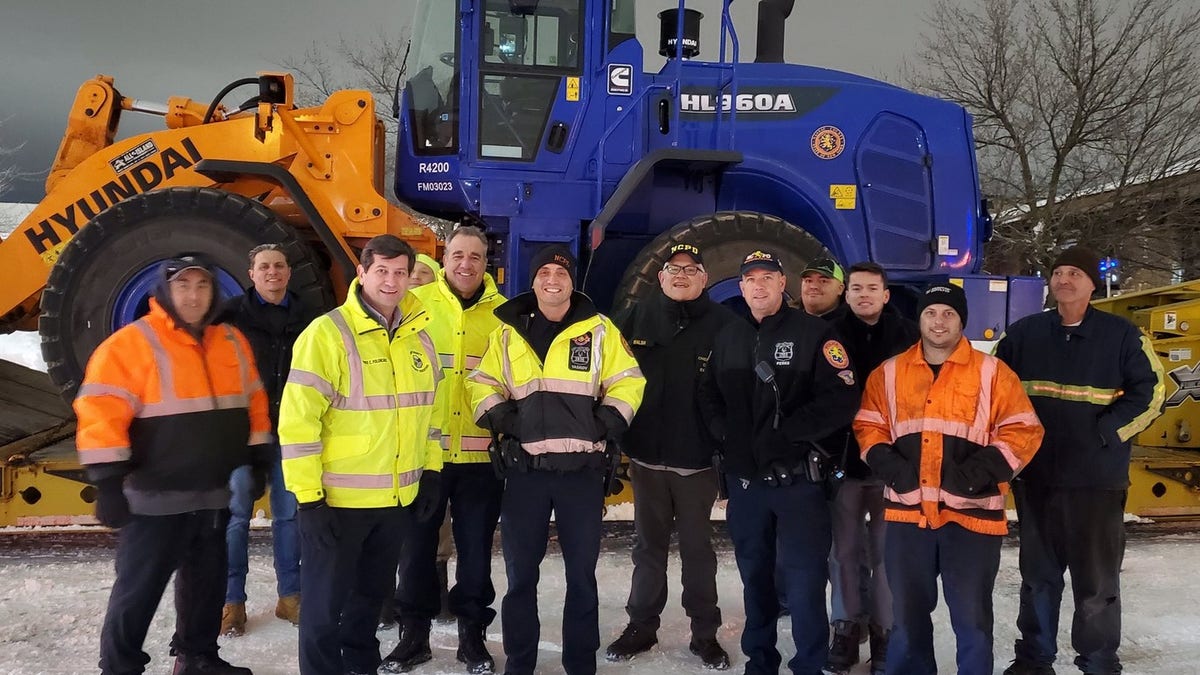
1084,531
472,493
577,502
344,586
967,562
664,501
785,529
149,549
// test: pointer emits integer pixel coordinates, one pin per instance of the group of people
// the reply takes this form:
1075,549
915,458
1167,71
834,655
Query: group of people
855,448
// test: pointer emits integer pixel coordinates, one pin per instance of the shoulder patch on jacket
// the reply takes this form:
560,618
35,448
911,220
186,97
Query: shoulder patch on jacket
580,355
835,354
418,361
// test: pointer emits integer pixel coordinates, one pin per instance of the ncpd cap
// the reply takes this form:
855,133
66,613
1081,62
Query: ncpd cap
552,254
826,267
761,260
945,294
688,250
1085,259
173,267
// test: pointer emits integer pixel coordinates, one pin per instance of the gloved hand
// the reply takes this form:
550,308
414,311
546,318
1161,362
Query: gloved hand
892,468
981,470
112,508
429,494
504,419
318,523
778,474
611,422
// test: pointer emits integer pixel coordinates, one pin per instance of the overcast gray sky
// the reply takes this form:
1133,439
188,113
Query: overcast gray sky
159,48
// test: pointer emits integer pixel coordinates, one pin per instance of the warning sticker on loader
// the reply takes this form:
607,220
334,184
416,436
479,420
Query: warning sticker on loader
844,197
128,159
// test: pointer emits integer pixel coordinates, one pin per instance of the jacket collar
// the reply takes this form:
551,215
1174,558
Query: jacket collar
167,323
1085,327
412,315
516,311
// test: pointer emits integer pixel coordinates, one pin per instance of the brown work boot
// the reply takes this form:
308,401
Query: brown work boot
288,608
233,619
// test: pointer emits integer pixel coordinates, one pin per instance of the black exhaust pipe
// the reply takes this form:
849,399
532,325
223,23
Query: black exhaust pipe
772,19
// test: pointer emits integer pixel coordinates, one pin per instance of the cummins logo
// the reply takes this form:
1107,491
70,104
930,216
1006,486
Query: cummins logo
762,102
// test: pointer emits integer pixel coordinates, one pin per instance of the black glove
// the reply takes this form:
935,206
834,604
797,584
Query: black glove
504,419
982,470
318,523
892,468
112,508
611,423
429,494
777,474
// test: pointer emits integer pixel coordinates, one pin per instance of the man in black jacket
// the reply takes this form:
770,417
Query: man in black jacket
271,317
671,452
1095,383
873,332
778,381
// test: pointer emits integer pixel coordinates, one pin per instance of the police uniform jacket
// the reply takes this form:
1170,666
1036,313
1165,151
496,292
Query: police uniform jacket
973,413
461,337
587,365
672,342
1095,386
172,412
357,425
817,389
271,330
870,346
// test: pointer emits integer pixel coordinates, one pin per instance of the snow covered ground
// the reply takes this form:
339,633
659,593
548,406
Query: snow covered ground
54,599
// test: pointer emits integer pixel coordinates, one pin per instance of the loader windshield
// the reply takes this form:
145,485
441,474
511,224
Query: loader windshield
525,51
433,80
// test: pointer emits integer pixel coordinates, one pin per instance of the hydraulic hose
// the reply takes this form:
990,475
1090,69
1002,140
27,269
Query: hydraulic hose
212,107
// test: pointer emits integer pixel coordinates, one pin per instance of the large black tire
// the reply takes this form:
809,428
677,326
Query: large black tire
725,238
79,301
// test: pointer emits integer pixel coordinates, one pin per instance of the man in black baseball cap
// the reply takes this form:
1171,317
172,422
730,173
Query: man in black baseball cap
760,259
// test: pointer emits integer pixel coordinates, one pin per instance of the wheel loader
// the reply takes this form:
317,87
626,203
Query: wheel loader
533,119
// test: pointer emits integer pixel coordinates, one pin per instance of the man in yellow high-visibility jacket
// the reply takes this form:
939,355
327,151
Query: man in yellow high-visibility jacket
360,451
462,299
560,385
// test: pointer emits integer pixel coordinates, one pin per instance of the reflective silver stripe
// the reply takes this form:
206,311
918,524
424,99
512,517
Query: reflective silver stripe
249,377
183,406
166,376
447,360
260,437
597,355
356,387
628,372
622,407
983,406
562,445
355,480
553,385
297,450
409,477
97,389
414,399
487,404
102,455
432,355
469,443
306,379
471,362
435,434
484,378
363,403
506,362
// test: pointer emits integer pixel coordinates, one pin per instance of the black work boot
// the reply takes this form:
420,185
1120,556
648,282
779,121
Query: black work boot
413,649
445,615
1021,667
879,646
710,653
206,664
843,650
633,641
472,650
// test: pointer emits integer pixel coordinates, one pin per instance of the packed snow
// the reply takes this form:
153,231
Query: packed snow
55,596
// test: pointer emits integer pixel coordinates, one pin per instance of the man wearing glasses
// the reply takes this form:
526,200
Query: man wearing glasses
671,453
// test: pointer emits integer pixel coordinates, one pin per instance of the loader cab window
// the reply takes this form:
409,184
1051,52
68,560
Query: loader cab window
526,48
622,24
433,79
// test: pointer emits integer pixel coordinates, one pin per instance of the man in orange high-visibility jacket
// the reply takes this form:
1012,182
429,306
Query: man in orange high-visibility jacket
945,428
169,406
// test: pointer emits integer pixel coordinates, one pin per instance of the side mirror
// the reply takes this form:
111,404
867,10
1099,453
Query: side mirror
765,372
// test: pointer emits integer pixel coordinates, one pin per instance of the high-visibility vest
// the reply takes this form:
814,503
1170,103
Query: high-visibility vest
357,423
461,337
587,365
172,413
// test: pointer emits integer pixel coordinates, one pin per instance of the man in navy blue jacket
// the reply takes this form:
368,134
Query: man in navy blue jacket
1095,382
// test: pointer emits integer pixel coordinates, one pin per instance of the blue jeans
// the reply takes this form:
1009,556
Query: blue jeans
285,535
